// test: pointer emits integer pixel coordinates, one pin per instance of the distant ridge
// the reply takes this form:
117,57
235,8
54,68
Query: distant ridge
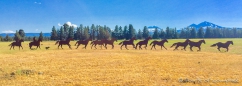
205,24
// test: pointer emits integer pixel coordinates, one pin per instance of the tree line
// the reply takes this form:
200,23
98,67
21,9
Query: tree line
97,32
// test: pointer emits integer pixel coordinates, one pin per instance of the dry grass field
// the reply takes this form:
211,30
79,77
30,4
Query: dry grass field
84,67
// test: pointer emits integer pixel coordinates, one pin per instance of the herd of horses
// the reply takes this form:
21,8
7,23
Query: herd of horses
138,45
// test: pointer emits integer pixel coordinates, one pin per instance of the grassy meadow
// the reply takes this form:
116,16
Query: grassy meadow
121,67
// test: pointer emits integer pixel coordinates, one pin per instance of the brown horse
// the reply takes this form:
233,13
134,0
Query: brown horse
17,43
159,43
110,42
127,42
184,44
144,42
84,42
223,45
66,42
196,44
35,43
97,42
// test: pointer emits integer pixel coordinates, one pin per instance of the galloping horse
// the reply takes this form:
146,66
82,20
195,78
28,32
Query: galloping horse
144,42
66,42
97,42
110,42
223,45
35,43
160,43
84,42
196,44
184,44
127,42
17,43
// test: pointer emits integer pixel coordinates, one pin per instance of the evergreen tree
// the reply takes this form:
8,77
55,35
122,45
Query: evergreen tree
21,33
1,38
120,31
208,33
200,33
41,35
183,33
145,32
71,32
125,32
7,38
86,34
93,30
62,34
168,33
131,31
17,36
175,34
54,35
193,33
139,35
156,34
162,34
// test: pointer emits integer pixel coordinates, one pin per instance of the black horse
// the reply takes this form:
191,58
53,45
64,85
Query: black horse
97,42
223,45
184,44
84,42
159,43
110,42
66,42
127,42
35,43
144,42
196,44
17,43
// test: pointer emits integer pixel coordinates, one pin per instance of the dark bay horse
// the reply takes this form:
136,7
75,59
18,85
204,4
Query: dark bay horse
110,42
97,42
17,43
35,43
159,43
66,42
144,42
223,45
84,42
127,42
196,44
184,44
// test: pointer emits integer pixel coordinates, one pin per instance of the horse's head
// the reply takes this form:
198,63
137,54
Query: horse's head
187,40
203,41
40,39
165,40
149,38
231,42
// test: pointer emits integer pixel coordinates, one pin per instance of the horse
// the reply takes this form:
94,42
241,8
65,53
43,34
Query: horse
84,42
35,43
127,42
66,42
144,42
110,42
160,43
196,44
97,42
223,45
184,44
17,43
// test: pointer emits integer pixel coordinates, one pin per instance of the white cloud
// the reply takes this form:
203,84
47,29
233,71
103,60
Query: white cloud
8,31
36,29
37,2
69,24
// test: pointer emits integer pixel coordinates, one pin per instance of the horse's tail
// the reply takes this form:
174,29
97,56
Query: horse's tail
174,45
151,43
213,45
120,43
57,42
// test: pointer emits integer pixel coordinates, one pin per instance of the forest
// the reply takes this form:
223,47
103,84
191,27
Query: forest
97,32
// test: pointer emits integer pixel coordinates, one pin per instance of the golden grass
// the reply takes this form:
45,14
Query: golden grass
120,67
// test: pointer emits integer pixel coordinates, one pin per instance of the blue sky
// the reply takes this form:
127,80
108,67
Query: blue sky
42,15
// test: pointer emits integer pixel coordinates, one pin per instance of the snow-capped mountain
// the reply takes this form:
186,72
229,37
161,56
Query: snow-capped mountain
205,24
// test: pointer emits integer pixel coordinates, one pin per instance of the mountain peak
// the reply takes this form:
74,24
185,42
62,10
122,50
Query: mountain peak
205,24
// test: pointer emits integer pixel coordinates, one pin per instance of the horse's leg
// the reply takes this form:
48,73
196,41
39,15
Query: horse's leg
126,47
191,48
164,47
121,46
85,46
176,47
140,47
69,46
95,46
77,46
11,47
18,47
151,47
199,48
112,46
227,49
145,46
22,47
61,46
218,48
58,46
134,46
185,48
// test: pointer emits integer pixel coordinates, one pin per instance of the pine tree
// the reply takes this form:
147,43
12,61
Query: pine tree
162,34
200,33
17,36
54,35
183,33
145,32
120,31
175,34
139,35
86,34
21,33
131,31
156,34
208,33
125,32
61,34
193,33
71,32
41,35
